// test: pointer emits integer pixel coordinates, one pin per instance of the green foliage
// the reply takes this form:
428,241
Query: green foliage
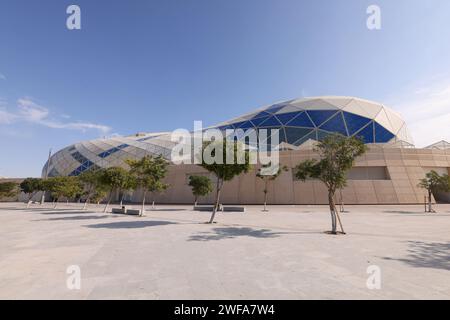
115,178
148,172
92,181
434,182
68,187
267,173
91,178
31,185
337,156
226,170
232,160
8,189
98,195
201,185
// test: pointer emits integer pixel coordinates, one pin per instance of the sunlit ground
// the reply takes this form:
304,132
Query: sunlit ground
171,254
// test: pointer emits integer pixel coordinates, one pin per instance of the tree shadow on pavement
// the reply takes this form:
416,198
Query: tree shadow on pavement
233,232
427,255
403,212
75,218
29,209
129,224
57,212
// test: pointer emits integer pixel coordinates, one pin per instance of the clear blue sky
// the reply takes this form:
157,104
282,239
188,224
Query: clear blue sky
146,65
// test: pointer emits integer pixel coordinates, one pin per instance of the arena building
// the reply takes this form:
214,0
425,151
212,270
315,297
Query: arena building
387,174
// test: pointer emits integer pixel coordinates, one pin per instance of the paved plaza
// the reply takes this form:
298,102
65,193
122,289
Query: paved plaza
172,254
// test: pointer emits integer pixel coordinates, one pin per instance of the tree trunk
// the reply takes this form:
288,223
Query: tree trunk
56,203
121,199
86,203
265,193
332,213
430,209
341,205
143,203
265,200
339,219
153,204
216,205
43,198
107,203
195,201
30,198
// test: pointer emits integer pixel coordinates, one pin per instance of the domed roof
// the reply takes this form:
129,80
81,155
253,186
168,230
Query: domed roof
306,119
300,122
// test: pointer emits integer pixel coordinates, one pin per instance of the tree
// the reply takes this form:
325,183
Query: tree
67,187
92,183
98,195
149,172
128,184
233,160
31,186
267,174
8,189
201,186
433,183
337,156
114,179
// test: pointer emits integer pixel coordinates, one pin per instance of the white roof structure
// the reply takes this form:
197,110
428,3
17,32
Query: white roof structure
441,145
300,123
350,116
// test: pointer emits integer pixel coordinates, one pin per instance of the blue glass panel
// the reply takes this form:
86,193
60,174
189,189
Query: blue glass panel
237,124
281,135
322,135
320,116
335,124
89,165
261,114
79,157
366,134
286,117
355,122
382,135
227,127
312,136
295,134
302,120
275,108
111,151
272,121
258,121
246,125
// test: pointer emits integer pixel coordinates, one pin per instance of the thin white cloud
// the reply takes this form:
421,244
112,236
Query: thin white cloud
2,76
6,117
426,110
31,112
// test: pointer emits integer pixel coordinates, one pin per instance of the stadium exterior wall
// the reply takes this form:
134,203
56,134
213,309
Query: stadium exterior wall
403,167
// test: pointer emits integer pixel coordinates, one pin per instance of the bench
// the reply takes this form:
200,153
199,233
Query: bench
133,212
233,209
130,212
203,208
